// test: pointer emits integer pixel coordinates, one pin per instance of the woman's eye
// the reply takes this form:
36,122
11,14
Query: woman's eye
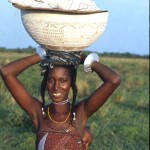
62,81
50,80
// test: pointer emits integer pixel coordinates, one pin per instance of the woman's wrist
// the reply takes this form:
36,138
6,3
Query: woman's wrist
89,61
41,52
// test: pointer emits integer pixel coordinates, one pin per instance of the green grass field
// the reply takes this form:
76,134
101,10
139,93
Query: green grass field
122,123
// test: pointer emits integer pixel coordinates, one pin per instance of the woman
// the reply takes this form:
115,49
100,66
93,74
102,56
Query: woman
59,125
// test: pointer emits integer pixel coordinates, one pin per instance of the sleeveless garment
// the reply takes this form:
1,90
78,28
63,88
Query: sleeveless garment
66,139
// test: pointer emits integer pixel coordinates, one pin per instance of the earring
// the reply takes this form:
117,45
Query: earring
43,113
74,116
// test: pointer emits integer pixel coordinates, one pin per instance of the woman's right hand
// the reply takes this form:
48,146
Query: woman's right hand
83,57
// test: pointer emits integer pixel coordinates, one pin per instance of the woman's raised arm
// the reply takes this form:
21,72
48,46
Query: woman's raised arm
9,74
111,81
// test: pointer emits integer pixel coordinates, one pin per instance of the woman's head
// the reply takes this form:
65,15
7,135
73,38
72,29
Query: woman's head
58,81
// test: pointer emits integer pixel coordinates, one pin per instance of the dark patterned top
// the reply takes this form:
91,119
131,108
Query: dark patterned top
66,139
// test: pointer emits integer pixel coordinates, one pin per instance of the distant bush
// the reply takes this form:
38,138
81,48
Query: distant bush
124,55
19,50
30,49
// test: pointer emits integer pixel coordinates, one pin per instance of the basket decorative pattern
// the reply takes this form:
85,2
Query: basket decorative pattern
64,31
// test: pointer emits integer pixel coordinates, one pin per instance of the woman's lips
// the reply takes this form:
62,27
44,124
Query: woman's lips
56,94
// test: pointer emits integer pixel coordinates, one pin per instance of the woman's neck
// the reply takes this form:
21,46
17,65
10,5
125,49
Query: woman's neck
60,109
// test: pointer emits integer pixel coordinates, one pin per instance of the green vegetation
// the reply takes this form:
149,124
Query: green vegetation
121,124
32,50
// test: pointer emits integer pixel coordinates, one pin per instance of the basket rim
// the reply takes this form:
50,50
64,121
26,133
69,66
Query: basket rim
59,10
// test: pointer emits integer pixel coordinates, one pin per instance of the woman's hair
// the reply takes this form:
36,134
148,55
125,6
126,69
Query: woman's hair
73,73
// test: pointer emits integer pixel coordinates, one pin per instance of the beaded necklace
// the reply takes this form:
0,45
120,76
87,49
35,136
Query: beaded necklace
61,103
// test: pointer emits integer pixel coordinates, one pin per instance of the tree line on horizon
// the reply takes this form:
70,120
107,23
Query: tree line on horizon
31,49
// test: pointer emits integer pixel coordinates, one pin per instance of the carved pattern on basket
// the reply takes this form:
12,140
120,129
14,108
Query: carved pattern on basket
58,34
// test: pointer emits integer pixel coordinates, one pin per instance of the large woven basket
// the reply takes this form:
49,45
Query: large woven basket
63,31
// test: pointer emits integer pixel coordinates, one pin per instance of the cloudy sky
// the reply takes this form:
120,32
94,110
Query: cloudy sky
127,28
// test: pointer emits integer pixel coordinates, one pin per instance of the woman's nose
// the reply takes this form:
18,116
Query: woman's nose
56,85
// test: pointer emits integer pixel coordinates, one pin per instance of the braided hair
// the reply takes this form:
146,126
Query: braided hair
73,73
43,87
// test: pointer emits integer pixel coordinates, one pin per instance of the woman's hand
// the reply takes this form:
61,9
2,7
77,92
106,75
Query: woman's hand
83,57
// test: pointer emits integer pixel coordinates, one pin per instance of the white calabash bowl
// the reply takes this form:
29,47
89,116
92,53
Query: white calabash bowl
63,31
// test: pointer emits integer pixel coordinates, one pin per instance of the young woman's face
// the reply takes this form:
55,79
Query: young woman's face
59,83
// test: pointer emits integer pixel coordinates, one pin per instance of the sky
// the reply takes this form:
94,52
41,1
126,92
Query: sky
127,28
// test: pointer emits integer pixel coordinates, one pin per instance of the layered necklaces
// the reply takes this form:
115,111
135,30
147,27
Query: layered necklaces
61,122
66,130
60,103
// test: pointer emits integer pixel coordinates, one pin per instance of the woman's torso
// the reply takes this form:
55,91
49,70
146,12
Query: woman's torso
49,137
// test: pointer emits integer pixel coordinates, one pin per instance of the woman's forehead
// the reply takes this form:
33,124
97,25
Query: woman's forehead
59,70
